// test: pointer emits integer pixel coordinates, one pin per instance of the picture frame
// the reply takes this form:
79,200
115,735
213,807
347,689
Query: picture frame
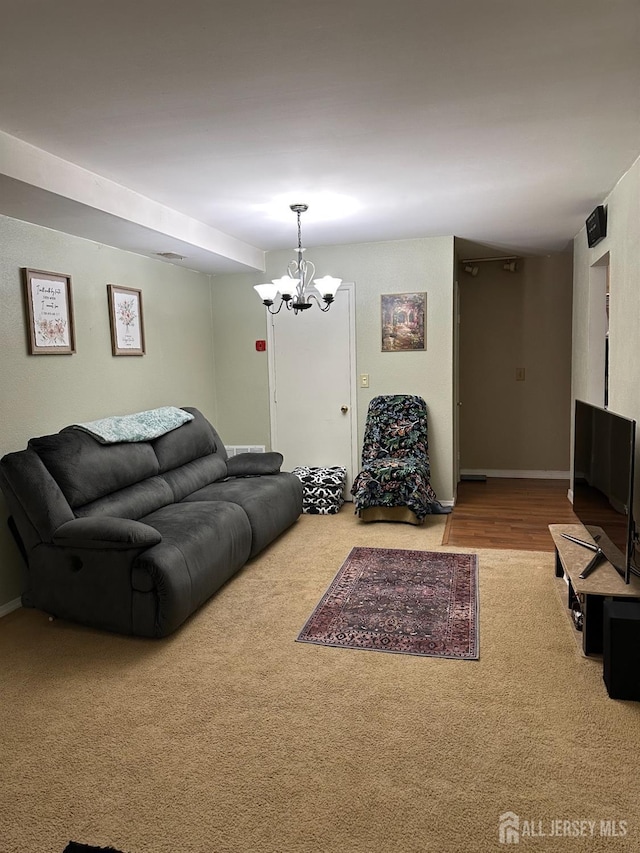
49,309
403,322
126,320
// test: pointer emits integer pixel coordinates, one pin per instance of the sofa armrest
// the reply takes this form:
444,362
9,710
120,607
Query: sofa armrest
106,532
254,464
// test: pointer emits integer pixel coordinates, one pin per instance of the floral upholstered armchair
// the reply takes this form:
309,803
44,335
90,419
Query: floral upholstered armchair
393,484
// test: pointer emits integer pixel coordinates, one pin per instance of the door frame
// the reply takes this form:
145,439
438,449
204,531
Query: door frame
350,288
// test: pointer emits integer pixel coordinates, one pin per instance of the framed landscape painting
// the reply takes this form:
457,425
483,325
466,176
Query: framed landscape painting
49,309
403,322
126,320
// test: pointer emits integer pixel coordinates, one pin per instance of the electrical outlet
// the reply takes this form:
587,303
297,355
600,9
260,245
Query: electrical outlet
364,380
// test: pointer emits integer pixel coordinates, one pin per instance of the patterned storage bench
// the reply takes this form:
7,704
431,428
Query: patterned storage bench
322,489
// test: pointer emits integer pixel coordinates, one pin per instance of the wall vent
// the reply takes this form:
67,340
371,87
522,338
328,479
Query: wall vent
234,449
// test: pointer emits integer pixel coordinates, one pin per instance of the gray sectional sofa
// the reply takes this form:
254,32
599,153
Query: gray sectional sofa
133,537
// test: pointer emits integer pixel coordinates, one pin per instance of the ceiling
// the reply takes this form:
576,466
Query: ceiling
159,126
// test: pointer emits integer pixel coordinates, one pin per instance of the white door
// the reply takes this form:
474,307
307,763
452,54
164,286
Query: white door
313,385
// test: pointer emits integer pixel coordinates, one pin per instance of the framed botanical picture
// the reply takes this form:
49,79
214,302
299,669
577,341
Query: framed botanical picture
125,317
403,321
49,309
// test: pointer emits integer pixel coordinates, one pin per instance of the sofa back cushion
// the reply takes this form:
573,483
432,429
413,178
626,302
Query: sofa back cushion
192,476
132,479
190,441
133,501
86,470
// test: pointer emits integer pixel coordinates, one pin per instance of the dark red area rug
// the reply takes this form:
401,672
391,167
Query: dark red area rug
394,600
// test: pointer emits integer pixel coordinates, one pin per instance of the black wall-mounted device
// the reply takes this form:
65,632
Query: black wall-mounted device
596,225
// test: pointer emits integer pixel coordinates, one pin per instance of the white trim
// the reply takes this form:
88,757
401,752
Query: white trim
522,475
10,606
351,287
271,365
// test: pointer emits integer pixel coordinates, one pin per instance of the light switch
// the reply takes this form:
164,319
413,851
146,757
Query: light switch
519,374
364,380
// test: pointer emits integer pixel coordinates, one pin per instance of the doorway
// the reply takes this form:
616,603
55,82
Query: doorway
312,385
514,359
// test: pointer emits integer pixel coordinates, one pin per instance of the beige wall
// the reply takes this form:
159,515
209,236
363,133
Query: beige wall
42,394
242,376
509,321
622,245
376,268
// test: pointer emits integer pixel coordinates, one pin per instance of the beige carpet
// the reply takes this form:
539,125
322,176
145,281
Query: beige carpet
230,737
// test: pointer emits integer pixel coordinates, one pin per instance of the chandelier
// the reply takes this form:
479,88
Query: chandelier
295,288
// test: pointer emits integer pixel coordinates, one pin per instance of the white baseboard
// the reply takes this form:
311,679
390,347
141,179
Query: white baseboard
518,475
9,607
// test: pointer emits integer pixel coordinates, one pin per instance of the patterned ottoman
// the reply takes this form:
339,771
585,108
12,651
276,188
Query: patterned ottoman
322,489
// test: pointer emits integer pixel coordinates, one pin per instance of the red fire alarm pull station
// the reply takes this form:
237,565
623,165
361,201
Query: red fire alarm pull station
261,346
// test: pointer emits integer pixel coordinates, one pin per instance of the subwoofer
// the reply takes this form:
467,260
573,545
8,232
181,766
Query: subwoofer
621,648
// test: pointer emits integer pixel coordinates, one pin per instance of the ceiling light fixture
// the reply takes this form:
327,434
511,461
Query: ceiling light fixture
510,263
294,288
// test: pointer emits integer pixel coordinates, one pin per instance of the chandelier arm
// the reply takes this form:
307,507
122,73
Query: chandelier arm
279,308
317,301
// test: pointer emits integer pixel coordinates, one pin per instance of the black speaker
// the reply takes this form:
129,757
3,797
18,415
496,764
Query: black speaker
596,225
621,648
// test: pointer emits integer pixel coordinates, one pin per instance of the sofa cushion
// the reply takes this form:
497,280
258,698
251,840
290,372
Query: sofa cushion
203,545
86,470
272,503
190,441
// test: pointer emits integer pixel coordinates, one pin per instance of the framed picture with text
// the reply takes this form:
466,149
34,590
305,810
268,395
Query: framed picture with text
126,320
49,309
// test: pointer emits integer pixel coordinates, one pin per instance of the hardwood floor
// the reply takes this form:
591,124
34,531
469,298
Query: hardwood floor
502,513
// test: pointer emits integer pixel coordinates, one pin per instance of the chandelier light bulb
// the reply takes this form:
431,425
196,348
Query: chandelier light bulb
285,285
266,292
327,285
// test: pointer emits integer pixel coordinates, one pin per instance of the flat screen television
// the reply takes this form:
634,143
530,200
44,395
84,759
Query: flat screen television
603,456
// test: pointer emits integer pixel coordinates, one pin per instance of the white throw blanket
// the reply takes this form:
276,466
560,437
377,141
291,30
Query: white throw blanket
141,426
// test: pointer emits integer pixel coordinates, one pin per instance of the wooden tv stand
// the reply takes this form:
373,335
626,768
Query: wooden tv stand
591,592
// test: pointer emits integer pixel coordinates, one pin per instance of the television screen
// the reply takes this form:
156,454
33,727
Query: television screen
604,446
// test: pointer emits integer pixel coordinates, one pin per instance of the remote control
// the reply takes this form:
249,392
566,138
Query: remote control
582,542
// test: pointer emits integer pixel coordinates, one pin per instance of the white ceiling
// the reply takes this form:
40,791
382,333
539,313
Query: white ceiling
500,121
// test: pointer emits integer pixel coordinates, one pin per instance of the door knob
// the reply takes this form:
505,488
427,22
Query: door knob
344,409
